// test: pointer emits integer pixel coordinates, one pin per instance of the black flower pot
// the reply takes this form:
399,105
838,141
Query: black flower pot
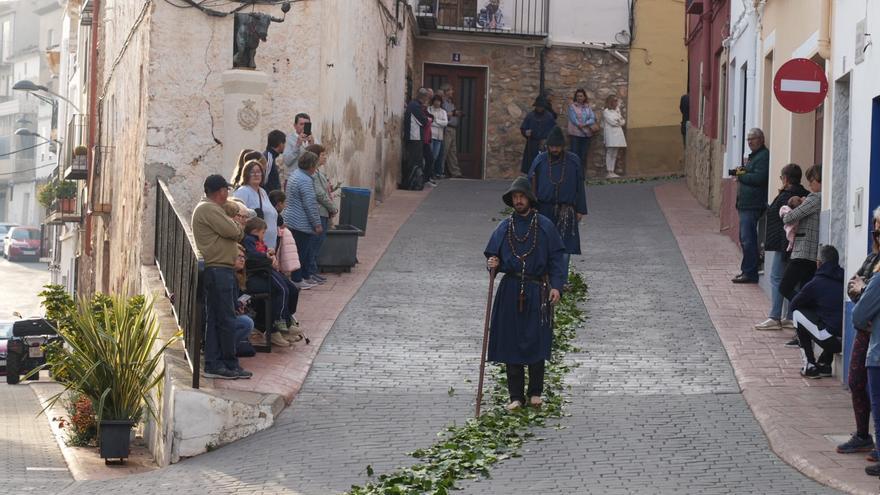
114,439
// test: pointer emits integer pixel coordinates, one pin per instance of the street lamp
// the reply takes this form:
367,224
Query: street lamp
31,87
29,133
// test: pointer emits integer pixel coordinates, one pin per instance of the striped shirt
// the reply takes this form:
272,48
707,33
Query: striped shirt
301,211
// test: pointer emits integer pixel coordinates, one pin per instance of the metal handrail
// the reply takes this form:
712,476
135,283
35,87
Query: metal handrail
181,267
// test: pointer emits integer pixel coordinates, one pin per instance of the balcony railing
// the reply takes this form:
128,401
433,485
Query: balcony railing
181,267
64,210
498,17
75,154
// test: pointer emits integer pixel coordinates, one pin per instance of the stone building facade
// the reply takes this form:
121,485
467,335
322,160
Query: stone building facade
161,109
514,80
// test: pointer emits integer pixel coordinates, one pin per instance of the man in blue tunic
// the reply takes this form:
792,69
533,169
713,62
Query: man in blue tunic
535,128
558,182
527,248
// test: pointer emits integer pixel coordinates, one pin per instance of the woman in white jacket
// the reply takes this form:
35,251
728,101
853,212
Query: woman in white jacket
612,127
438,127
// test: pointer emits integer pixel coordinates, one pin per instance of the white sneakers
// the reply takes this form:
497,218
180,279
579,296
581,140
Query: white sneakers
768,324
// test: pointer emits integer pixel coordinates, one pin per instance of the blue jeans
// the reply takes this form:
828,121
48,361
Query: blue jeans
244,325
303,242
219,319
579,146
874,394
748,240
777,268
436,147
317,242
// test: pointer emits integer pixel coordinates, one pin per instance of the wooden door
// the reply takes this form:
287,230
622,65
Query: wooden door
469,84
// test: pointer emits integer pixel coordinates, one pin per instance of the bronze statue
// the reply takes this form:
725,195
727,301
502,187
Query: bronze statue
250,29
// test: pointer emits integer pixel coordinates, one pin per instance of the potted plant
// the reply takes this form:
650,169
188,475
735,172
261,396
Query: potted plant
46,194
65,192
109,358
80,155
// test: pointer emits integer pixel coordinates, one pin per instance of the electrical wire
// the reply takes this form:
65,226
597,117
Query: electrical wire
29,169
23,149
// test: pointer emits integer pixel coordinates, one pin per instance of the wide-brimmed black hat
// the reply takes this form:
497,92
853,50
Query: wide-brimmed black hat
556,138
521,184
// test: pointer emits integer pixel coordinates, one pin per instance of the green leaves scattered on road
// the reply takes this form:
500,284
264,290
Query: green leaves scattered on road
601,181
469,450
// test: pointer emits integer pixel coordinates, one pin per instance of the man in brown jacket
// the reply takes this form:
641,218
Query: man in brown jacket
217,237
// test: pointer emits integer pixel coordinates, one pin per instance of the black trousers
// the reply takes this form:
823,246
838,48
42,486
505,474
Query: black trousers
428,158
797,273
414,161
516,376
811,328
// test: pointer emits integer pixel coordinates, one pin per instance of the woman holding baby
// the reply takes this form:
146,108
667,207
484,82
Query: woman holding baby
776,244
805,250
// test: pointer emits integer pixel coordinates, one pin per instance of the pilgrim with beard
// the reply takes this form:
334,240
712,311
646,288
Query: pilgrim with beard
527,249
558,183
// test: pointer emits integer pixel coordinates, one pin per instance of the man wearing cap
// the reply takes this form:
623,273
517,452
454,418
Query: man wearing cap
558,183
527,249
535,128
217,236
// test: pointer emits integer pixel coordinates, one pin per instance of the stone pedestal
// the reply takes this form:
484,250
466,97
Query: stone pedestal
243,92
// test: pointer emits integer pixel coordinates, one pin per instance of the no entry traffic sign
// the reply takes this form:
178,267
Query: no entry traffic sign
800,85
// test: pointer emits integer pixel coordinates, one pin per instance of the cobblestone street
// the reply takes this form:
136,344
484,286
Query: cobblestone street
655,406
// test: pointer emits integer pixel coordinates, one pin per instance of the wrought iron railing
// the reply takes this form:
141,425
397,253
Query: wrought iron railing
181,267
511,17
75,160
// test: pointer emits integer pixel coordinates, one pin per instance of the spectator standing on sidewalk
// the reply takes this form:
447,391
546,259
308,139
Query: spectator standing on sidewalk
775,244
414,120
326,208
296,142
245,156
438,127
802,265
558,183
216,236
274,147
861,440
301,216
866,318
581,125
527,249
427,153
255,197
449,156
818,313
751,201
612,128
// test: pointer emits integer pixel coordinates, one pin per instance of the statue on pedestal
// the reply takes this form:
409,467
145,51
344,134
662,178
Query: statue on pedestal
250,29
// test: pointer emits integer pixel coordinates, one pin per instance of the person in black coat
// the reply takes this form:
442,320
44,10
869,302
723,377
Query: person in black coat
775,244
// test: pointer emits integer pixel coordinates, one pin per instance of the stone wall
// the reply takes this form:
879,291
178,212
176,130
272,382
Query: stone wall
703,162
514,82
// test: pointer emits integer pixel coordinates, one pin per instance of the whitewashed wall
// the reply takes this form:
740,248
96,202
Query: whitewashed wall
589,21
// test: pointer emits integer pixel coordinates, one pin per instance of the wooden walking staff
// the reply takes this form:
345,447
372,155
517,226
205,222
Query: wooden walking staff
485,341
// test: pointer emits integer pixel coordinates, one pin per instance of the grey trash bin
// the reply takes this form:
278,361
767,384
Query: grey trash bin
339,251
355,207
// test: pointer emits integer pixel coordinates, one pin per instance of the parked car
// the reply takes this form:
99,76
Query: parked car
24,349
22,243
4,228
5,334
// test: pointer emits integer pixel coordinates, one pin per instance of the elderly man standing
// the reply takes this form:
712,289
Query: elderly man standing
751,201
414,120
217,237
449,154
525,247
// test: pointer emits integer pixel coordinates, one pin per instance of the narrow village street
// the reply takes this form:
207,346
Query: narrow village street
654,404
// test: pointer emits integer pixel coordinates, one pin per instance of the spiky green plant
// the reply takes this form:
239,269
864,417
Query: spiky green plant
109,356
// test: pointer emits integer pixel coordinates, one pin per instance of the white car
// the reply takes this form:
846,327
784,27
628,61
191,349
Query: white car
4,228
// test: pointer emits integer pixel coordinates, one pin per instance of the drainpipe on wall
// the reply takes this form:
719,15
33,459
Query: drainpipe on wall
757,57
824,41
707,56
93,121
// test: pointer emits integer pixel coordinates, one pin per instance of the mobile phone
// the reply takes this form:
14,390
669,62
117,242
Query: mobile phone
244,298
308,129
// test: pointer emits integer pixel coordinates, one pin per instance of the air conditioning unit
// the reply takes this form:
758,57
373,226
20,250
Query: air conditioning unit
694,6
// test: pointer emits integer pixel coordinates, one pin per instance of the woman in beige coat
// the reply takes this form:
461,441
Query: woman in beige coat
612,127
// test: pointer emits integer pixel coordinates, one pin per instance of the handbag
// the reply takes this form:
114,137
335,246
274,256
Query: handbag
259,211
